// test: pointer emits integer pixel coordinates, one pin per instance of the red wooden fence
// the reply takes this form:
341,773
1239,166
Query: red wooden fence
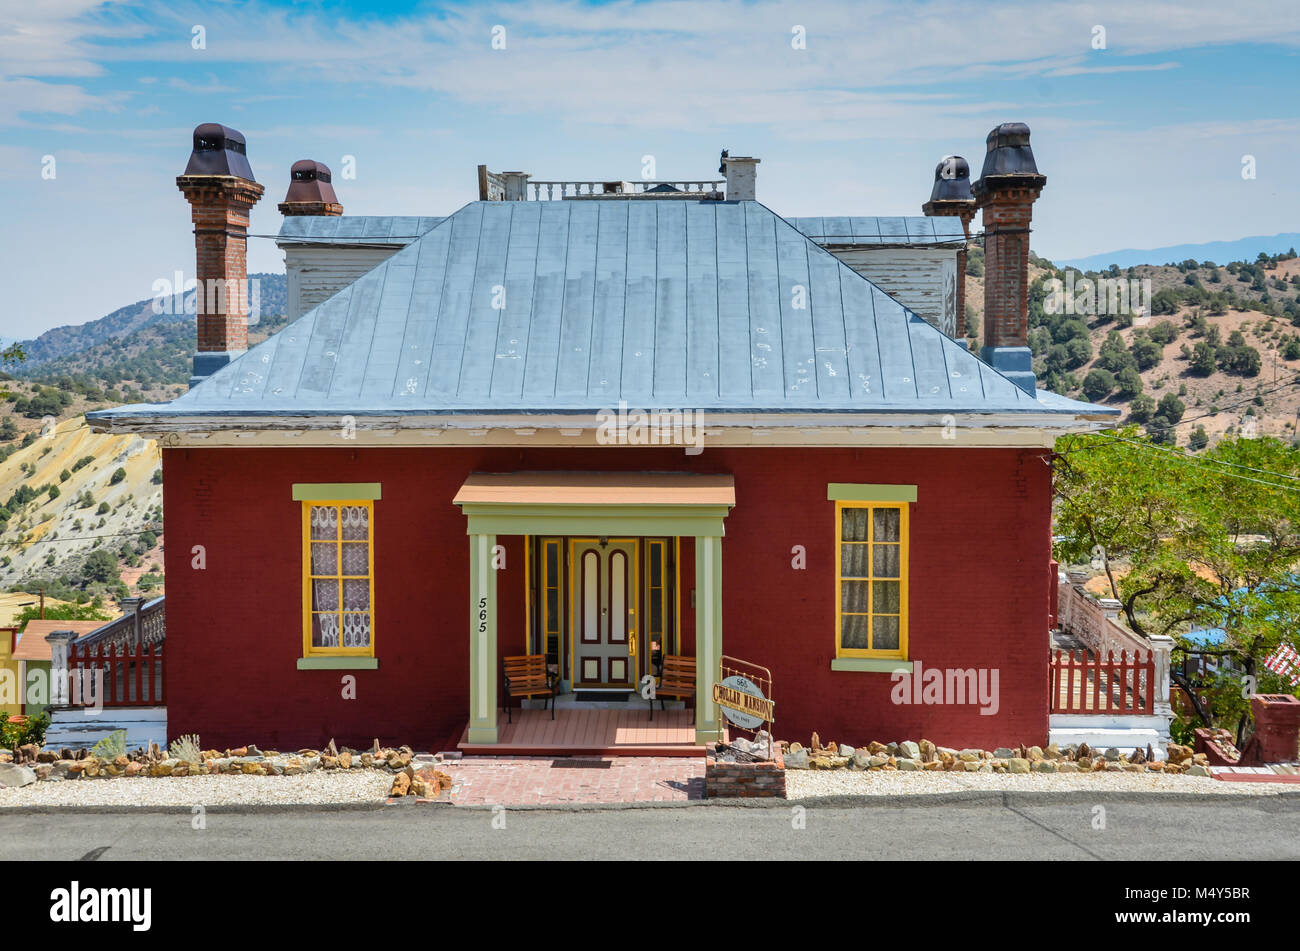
131,676
1118,682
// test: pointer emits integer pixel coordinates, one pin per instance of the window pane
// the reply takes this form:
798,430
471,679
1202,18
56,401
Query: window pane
886,596
853,596
355,520
324,521
853,631
656,615
324,559
552,612
853,560
887,559
325,594
356,630
853,524
887,525
656,570
885,630
551,554
325,630
356,561
356,594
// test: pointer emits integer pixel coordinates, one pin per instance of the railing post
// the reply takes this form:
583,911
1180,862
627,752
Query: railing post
516,185
60,643
1161,649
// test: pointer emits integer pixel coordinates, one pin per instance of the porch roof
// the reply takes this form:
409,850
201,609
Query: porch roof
605,503
598,488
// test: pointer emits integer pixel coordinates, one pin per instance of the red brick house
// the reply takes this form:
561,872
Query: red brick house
425,472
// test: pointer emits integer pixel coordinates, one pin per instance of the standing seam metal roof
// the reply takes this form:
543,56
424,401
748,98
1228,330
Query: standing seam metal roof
554,307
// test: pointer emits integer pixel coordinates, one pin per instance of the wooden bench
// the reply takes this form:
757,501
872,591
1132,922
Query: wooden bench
526,675
676,680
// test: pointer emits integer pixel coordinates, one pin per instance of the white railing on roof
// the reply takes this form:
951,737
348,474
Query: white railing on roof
555,191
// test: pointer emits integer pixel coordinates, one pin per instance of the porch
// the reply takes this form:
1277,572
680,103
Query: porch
582,732
612,510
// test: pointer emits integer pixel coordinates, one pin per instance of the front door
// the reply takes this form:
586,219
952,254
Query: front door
604,611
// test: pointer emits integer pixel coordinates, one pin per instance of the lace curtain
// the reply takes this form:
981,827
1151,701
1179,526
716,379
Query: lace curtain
340,567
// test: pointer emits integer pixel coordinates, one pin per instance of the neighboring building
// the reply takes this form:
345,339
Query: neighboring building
31,652
919,261
418,476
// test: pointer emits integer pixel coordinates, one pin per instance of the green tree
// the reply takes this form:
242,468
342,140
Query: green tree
1098,384
1171,407
1142,409
62,612
1129,383
1204,546
1199,439
118,475
100,567
1204,360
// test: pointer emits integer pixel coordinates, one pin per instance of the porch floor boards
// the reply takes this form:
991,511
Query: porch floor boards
597,732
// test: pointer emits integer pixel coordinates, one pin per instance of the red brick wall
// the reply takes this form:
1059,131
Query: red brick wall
979,549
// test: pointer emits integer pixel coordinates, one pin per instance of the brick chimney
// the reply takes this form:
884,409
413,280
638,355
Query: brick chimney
951,197
310,191
741,175
1006,191
219,185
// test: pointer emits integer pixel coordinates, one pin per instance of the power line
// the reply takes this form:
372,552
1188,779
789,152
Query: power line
85,538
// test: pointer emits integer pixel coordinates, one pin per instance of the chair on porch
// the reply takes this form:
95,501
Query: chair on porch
676,680
526,675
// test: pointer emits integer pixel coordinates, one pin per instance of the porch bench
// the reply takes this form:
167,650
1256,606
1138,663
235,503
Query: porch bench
526,675
676,680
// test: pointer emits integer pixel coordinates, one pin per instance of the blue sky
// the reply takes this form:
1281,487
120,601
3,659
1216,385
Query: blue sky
1142,142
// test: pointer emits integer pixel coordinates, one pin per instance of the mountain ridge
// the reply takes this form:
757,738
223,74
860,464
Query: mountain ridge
1220,252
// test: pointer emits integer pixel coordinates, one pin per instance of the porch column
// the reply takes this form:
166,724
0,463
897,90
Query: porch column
482,641
708,633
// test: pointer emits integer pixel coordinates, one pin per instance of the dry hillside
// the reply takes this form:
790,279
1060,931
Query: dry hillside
1224,402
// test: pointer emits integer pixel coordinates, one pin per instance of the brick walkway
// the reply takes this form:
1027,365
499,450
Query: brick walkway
533,781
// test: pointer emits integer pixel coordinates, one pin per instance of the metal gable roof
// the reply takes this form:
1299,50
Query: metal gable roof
568,307
912,231
353,229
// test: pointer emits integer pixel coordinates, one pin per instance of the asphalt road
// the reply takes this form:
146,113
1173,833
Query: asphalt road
1230,828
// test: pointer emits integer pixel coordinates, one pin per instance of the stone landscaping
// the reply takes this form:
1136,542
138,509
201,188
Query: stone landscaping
412,775
925,756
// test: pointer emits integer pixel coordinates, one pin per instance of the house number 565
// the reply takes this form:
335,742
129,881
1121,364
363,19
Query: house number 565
482,615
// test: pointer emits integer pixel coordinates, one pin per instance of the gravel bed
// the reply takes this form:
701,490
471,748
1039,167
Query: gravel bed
803,784
320,787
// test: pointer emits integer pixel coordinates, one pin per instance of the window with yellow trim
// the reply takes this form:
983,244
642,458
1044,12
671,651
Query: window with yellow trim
871,581
338,578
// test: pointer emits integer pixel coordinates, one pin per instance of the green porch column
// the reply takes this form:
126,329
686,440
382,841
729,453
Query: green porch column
482,640
708,632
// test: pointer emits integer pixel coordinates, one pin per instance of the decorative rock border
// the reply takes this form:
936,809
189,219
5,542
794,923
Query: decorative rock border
913,756
413,774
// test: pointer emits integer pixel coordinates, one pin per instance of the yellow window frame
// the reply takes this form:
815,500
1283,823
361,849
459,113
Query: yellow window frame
904,541
308,649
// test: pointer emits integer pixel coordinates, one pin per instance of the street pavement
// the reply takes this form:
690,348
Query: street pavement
1095,828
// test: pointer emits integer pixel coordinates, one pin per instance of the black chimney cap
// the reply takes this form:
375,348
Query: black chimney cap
310,181
1008,152
951,190
219,150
